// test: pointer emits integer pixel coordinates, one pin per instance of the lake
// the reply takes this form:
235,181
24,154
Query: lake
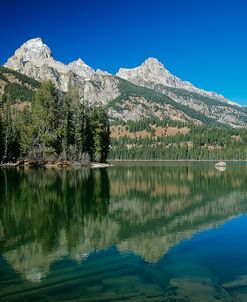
131,232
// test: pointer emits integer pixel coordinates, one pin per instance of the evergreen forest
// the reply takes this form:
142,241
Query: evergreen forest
53,126
140,141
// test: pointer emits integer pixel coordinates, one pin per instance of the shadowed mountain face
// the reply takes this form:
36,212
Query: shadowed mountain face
46,215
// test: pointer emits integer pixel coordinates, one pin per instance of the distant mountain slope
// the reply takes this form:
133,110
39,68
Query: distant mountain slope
138,102
147,124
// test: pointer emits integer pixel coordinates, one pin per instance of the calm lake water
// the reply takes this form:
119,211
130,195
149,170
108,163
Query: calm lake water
142,232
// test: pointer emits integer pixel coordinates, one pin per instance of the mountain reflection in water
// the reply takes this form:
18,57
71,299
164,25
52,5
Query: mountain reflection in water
48,215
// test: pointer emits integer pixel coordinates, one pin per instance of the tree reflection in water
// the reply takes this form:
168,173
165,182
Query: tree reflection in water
47,215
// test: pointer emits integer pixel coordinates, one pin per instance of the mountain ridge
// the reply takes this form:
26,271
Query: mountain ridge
151,71
36,49
35,59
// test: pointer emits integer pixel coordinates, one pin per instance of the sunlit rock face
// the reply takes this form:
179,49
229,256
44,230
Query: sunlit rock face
35,59
151,72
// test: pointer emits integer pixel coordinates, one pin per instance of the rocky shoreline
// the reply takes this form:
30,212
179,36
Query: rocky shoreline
54,164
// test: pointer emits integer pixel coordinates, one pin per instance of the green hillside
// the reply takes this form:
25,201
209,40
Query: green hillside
15,86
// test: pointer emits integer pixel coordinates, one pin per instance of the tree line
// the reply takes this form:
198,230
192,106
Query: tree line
199,143
54,126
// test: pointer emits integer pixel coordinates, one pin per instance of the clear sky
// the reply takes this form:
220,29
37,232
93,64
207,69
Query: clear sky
202,41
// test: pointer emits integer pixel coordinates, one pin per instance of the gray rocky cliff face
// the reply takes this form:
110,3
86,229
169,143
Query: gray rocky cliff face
34,59
101,88
81,69
151,71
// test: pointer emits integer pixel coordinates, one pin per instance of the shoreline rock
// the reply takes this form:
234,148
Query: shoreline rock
221,164
99,165
55,164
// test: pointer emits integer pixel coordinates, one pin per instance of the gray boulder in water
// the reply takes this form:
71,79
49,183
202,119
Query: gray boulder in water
220,164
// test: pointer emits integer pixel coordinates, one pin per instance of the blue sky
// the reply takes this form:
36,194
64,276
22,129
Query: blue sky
204,42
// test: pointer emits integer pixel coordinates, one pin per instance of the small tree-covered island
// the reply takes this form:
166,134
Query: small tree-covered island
53,127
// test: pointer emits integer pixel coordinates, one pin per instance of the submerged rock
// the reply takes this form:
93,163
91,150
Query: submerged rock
240,281
199,289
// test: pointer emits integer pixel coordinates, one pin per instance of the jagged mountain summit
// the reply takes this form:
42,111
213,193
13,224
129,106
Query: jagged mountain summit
35,59
149,90
81,69
34,56
152,73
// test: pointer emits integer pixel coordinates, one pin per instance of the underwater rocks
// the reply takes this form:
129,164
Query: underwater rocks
240,281
237,288
198,289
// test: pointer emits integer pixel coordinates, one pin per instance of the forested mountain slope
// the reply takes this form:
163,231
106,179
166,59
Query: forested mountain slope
16,87
147,124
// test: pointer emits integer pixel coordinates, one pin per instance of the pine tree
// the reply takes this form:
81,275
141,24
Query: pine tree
88,139
46,115
74,124
101,134
11,143
25,128
1,136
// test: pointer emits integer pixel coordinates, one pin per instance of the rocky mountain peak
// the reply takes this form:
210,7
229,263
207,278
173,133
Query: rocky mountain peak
155,69
34,59
80,68
152,62
33,43
33,49
78,62
150,71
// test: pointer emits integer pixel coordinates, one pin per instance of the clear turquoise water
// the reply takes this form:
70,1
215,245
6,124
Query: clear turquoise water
142,232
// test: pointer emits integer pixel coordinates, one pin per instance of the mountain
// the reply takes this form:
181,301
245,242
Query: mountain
152,73
149,107
35,59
